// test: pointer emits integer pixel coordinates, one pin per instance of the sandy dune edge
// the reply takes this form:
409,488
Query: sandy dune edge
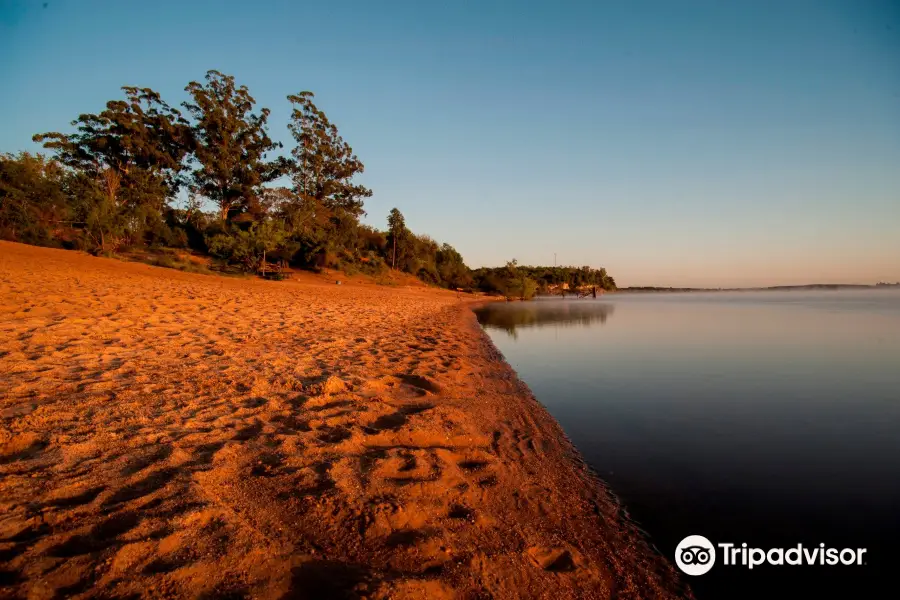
172,435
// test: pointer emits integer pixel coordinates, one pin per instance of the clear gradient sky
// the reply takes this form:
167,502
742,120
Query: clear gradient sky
674,142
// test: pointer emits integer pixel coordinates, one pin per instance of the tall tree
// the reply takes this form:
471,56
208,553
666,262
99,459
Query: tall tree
128,160
231,143
324,164
397,234
452,268
134,149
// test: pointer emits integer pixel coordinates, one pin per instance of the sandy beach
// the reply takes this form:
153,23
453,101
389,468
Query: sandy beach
165,434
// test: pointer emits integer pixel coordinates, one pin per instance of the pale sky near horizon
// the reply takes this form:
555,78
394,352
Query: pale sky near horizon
675,143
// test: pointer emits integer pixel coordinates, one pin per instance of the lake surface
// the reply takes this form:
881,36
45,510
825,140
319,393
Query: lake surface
771,418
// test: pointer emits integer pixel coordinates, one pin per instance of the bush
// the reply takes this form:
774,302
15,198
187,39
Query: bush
248,247
163,261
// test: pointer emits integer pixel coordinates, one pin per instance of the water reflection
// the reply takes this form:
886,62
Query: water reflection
764,418
511,315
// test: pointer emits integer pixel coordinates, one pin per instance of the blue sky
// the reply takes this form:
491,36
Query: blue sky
675,143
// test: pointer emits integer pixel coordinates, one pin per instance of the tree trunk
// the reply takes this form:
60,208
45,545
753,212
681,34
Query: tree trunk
264,264
394,255
111,181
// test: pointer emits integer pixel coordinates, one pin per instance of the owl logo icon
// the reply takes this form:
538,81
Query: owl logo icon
695,555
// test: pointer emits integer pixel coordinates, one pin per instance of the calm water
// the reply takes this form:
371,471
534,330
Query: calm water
771,418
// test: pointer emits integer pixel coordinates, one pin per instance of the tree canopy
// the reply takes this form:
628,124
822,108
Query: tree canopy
325,164
230,143
134,149
140,173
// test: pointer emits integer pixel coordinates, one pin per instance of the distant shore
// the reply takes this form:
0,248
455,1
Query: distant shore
774,288
174,434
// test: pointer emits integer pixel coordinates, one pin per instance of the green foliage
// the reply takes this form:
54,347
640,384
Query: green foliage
124,163
397,237
134,149
105,225
514,282
320,211
422,256
229,145
112,181
452,268
173,262
324,164
248,247
545,278
522,287
33,203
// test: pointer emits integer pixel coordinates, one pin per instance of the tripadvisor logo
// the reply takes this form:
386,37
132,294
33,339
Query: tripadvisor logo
696,555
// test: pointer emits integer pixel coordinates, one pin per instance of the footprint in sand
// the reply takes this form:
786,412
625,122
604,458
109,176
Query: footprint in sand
334,435
21,447
70,498
100,537
398,419
150,484
139,463
458,511
554,559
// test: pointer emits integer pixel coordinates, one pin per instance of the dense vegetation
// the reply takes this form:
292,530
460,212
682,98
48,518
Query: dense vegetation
143,174
515,280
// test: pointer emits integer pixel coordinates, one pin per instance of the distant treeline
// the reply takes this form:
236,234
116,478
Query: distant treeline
818,286
114,183
774,288
518,281
648,288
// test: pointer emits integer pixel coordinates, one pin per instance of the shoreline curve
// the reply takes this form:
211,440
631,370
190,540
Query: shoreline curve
175,435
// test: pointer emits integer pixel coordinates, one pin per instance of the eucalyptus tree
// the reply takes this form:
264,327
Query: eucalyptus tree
135,148
324,164
133,152
230,145
397,234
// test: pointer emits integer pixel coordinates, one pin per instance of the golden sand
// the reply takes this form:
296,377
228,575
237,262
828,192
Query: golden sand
165,434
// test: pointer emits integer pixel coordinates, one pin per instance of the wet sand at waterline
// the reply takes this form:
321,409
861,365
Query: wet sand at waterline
165,434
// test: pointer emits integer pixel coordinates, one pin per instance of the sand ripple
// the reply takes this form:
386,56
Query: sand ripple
164,434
